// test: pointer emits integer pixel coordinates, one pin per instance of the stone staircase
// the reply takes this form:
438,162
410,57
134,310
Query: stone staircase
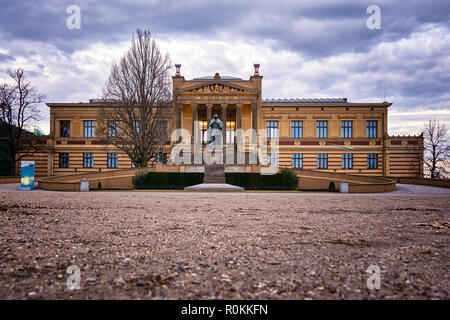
214,173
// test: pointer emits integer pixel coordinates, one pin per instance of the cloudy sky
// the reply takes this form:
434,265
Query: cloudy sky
307,49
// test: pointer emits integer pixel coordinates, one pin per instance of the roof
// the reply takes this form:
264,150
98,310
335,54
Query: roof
306,100
223,78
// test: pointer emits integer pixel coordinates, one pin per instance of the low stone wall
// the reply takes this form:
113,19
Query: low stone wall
320,180
9,180
308,180
118,179
444,183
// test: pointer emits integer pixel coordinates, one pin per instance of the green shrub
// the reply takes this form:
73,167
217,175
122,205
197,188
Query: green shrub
284,180
166,180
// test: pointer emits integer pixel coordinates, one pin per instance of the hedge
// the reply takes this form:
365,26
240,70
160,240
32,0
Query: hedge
166,180
284,180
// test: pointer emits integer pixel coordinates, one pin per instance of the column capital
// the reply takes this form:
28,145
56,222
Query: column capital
224,105
209,105
194,105
239,105
179,105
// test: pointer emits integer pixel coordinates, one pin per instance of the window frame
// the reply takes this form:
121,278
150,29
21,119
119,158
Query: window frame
322,161
113,129
372,161
272,128
112,159
297,129
61,128
64,159
346,129
321,128
347,161
272,158
88,128
297,158
371,128
88,159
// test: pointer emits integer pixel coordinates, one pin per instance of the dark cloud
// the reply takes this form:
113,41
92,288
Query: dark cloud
319,28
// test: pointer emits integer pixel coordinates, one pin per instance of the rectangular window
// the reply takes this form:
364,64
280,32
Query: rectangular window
88,160
112,159
89,128
137,125
230,127
346,129
161,158
272,159
272,129
204,128
297,129
161,129
322,129
372,161
64,128
347,161
64,160
322,161
371,128
297,160
113,128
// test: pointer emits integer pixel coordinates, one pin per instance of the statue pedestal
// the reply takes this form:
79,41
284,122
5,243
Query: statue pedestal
214,181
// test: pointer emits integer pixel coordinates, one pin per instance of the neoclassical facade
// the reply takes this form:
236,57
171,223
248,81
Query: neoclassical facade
333,135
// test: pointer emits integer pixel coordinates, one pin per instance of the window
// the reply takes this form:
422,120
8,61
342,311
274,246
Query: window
112,159
161,158
371,127
137,125
272,129
372,161
347,161
64,160
204,128
322,129
161,129
322,161
346,129
231,127
64,128
113,128
88,160
272,159
297,160
89,128
297,129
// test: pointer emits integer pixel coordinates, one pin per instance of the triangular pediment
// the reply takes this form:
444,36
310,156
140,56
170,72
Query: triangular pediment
216,86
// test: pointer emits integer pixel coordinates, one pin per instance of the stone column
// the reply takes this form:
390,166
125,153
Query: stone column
194,118
224,121
208,112
179,115
254,121
238,116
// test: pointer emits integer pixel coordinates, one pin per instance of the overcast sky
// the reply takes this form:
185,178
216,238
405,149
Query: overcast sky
307,49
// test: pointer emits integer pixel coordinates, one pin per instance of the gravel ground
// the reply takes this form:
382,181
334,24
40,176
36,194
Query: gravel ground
163,245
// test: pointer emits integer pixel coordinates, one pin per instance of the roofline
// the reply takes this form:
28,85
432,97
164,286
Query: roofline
264,104
328,104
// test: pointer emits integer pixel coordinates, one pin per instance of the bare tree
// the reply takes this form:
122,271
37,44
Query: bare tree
19,107
437,149
139,89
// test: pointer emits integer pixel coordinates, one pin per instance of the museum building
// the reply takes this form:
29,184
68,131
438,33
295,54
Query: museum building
326,134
